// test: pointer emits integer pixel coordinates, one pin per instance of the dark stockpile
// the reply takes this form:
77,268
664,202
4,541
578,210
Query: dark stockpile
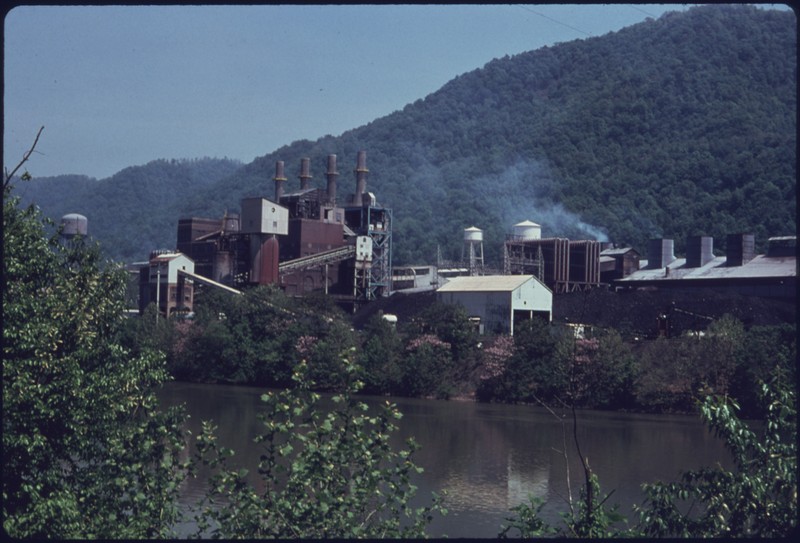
637,312
634,313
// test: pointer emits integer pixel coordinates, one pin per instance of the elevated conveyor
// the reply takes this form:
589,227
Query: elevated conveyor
316,260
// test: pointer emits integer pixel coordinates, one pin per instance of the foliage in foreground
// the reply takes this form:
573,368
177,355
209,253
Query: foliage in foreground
86,452
757,499
323,473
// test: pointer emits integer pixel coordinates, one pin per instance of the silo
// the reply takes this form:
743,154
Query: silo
263,259
222,267
73,225
526,230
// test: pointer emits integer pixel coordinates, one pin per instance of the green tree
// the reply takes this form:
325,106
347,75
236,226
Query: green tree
86,451
757,499
323,473
380,357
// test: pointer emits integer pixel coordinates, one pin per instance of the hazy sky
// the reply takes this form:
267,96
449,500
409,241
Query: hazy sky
119,86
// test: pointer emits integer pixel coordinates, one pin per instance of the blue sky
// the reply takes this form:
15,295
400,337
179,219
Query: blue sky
118,86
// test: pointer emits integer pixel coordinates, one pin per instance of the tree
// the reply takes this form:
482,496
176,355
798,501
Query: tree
323,473
756,499
86,451
380,357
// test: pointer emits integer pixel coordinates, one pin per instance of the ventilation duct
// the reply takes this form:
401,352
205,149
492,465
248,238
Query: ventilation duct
660,253
741,248
699,251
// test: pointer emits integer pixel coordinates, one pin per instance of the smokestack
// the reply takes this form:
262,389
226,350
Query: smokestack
361,177
699,251
304,173
279,180
332,173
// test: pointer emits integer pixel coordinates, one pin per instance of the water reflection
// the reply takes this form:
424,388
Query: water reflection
489,458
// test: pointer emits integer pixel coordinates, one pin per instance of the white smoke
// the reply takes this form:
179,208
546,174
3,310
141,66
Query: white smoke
523,192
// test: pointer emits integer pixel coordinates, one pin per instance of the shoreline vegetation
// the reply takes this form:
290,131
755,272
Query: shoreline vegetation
435,353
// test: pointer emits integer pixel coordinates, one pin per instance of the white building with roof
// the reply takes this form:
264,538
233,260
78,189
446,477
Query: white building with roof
497,302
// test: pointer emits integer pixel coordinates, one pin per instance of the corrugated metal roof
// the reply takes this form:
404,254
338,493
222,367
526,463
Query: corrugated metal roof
621,251
485,283
759,267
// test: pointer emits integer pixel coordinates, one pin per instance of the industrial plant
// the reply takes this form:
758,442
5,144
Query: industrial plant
302,240
306,239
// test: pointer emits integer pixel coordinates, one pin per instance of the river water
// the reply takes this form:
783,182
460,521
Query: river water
488,458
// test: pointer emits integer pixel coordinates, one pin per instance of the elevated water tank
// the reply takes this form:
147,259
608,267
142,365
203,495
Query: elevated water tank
74,225
526,230
231,222
473,234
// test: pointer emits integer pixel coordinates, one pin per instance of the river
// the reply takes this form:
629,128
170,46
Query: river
487,458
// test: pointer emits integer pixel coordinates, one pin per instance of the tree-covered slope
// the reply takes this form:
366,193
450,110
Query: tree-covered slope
133,211
673,127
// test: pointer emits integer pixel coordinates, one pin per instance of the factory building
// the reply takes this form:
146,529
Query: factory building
741,271
302,240
617,262
159,282
563,265
497,303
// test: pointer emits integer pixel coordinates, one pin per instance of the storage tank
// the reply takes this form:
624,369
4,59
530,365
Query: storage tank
73,225
231,223
473,234
526,230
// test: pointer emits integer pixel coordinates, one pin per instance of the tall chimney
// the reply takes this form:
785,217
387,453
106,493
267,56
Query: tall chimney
304,173
279,180
332,173
361,177
699,251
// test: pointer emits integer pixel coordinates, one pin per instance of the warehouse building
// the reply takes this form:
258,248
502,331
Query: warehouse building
741,271
497,303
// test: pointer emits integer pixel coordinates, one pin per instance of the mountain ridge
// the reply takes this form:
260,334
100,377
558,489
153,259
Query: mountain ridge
678,126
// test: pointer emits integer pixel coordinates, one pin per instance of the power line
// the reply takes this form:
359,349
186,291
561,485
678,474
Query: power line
555,21
645,12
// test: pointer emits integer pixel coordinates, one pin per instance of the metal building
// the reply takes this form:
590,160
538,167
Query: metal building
773,275
159,282
496,303
563,265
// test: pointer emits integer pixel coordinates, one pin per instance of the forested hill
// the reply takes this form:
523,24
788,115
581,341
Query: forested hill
132,212
678,126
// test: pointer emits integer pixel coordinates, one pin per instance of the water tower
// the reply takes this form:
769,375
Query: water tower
472,252
73,225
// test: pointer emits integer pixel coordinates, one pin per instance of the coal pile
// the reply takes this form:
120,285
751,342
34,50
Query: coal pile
637,312
404,305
